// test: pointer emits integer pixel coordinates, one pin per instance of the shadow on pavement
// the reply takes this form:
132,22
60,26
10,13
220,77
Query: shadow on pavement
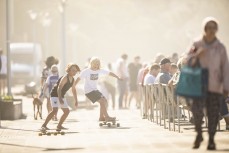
204,129
72,132
45,149
118,128
223,150
16,129
61,149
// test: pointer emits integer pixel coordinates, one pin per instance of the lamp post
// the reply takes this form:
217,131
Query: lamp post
46,23
62,10
33,16
73,28
8,48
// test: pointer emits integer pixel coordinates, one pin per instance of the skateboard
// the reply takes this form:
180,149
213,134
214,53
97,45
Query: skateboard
109,123
55,132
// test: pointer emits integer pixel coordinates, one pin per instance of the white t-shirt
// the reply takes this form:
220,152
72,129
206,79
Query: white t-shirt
122,69
91,78
4,64
149,79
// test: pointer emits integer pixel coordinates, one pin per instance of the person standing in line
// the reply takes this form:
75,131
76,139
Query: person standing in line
164,76
152,74
50,82
174,69
109,84
207,49
133,69
51,60
57,95
3,73
91,76
122,71
174,58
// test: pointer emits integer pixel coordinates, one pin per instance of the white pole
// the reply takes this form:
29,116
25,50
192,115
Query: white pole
8,48
63,62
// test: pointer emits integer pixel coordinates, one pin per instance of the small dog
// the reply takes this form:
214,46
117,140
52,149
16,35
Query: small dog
37,103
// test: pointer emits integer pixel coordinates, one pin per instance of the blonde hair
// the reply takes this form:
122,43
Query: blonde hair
70,65
95,61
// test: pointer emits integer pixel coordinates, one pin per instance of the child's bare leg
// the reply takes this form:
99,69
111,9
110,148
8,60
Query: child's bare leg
103,110
101,116
49,107
63,117
50,115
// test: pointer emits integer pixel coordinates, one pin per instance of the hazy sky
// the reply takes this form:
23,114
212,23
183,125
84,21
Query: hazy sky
108,28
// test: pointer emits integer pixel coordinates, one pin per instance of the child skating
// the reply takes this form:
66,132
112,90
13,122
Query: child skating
91,76
57,95
50,82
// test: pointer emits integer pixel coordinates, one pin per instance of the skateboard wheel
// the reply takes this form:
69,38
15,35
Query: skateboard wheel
62,133
100,124
55,133
39,134
48,134
118,124
109,124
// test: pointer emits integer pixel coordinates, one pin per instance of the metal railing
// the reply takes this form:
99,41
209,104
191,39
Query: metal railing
161,106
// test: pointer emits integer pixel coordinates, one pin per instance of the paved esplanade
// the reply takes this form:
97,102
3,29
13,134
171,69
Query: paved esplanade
85,135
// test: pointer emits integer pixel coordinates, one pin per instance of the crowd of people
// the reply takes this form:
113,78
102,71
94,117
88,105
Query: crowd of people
163,70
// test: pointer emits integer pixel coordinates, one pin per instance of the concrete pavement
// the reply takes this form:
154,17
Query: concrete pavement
84,135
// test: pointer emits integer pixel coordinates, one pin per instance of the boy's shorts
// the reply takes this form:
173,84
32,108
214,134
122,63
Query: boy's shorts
94,96
55,102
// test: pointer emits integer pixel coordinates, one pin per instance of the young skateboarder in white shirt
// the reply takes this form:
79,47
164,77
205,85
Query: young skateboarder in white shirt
91,76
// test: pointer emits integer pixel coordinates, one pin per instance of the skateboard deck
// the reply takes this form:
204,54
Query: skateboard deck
109,123
50,132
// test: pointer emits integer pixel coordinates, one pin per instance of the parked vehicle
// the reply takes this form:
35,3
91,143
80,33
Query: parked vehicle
26,61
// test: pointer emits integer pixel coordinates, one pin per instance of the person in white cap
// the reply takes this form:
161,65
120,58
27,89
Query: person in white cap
209,49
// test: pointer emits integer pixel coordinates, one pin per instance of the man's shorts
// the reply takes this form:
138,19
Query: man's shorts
94,96
55,102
